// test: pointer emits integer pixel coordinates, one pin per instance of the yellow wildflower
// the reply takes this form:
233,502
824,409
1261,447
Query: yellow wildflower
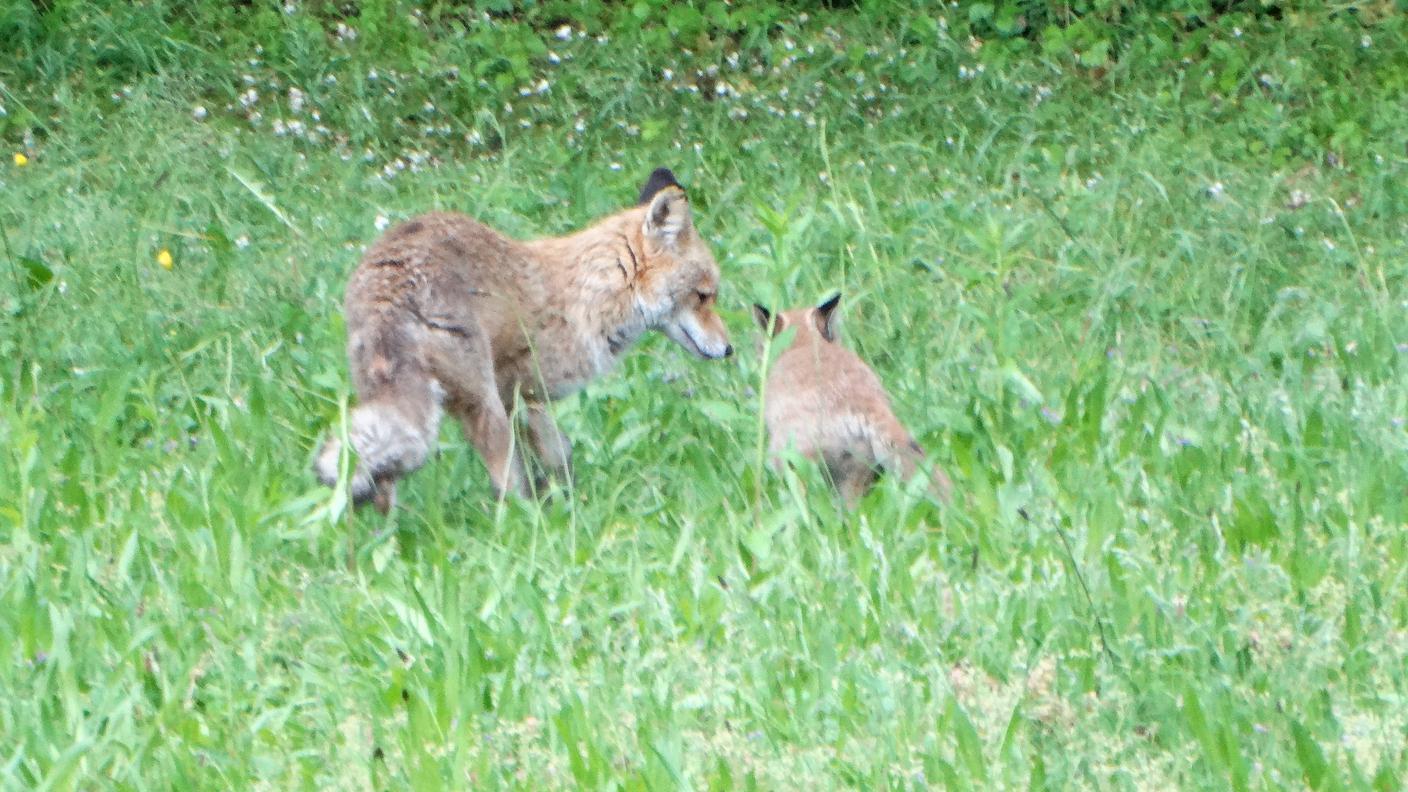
21,160
164,259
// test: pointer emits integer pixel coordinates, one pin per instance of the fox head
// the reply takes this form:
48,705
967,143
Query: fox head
679,279
811,323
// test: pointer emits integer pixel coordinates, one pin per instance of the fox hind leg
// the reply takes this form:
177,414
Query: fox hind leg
384,499
465,366
486,426
552,446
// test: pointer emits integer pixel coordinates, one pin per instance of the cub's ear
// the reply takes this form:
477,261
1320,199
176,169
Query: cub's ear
763,317
667,218
772,324
659,179
825,315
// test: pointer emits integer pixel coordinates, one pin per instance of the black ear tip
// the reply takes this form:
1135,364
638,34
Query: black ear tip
762,315
660,178
831,302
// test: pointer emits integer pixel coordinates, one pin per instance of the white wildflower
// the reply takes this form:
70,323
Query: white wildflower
199,113
381,222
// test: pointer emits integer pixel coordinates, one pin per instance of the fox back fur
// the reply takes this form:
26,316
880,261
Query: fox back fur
444,313
825,403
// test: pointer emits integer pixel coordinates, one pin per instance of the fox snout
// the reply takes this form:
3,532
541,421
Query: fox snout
700,332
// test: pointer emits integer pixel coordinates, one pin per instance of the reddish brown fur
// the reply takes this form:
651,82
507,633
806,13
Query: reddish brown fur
445,311
825,403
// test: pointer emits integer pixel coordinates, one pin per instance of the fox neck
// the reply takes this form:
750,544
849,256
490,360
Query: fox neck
595,276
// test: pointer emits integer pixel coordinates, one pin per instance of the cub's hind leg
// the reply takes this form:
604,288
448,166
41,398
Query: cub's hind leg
905,457
851,474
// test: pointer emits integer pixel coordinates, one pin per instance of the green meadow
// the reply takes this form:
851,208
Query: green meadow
1134,274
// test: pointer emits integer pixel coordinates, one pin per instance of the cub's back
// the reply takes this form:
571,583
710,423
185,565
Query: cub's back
822,393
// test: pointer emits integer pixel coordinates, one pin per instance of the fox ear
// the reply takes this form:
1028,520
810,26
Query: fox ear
667,218
826,317
659,179
763,317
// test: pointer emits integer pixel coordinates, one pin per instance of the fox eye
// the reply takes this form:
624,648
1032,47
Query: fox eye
703,296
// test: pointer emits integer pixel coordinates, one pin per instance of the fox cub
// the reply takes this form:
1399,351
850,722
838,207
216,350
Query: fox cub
446,313
825,403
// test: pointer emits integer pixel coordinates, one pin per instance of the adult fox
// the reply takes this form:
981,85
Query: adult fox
445,312
825,403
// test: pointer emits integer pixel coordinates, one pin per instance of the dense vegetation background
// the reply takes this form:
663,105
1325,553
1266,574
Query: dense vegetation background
1133,272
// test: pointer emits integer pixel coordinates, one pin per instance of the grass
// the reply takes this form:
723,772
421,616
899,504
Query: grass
1153,327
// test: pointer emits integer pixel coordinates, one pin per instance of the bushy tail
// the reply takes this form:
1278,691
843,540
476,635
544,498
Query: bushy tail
388,446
